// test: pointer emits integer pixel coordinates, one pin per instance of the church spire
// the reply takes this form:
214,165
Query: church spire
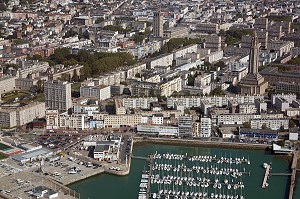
254,54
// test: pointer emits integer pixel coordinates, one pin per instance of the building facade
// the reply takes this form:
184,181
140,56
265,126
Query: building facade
58,95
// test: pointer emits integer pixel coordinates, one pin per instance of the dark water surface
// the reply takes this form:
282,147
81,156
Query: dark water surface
107,186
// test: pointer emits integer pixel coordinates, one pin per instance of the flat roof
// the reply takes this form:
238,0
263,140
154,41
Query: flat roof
101,148
31,154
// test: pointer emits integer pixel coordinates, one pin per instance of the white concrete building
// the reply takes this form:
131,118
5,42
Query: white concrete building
281,103
158,130
202,128
98,92
85,105
117,121
214,57
169,86
157,119
288,97
120,109
142,103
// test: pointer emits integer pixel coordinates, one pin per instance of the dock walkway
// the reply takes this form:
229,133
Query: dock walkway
266,177
293,177
149,179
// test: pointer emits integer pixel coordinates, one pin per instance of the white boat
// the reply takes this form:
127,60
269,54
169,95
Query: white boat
265,165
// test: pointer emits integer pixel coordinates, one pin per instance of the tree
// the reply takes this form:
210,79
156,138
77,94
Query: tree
220,64
246,125
80,33
40,86
191,80
264,126
99,20
138,75
75,77
36,57
70,62
138,38
65,77
292,124
217,91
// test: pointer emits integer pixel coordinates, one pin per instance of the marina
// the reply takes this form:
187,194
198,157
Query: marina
185,176
129,186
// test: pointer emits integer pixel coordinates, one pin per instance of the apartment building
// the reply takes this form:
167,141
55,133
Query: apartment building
208,27
74,121
52,119
58,95
213,42
287,87
202,128
237,118
21,115
8,118
273,124
214,57
26,114
273,76
85,105
120,109
176,32
160,130
117,121
98,92
142,103
288,97
187,102
7,84
168,87
185,125
158,22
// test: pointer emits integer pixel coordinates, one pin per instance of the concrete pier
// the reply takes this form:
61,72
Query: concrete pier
293,177
266,177
150,174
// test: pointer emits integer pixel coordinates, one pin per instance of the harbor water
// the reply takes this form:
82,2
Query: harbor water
127,187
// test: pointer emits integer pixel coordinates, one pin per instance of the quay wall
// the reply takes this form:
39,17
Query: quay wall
84,176
147,140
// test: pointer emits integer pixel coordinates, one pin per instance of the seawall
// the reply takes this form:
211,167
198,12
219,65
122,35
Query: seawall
232,145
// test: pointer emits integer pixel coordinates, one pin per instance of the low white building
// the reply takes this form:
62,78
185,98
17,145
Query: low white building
33,155
158,130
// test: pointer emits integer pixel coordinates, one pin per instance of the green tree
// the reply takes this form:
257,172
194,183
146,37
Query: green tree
264,126
65,77
292,124
80,33
220,64
138,38
36,57
246,125
75,76
70,62
40,86
99,20
191,80
217,91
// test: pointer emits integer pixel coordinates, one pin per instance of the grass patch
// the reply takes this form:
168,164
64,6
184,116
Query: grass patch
3,156
279,18
75,86
14,94
38,98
